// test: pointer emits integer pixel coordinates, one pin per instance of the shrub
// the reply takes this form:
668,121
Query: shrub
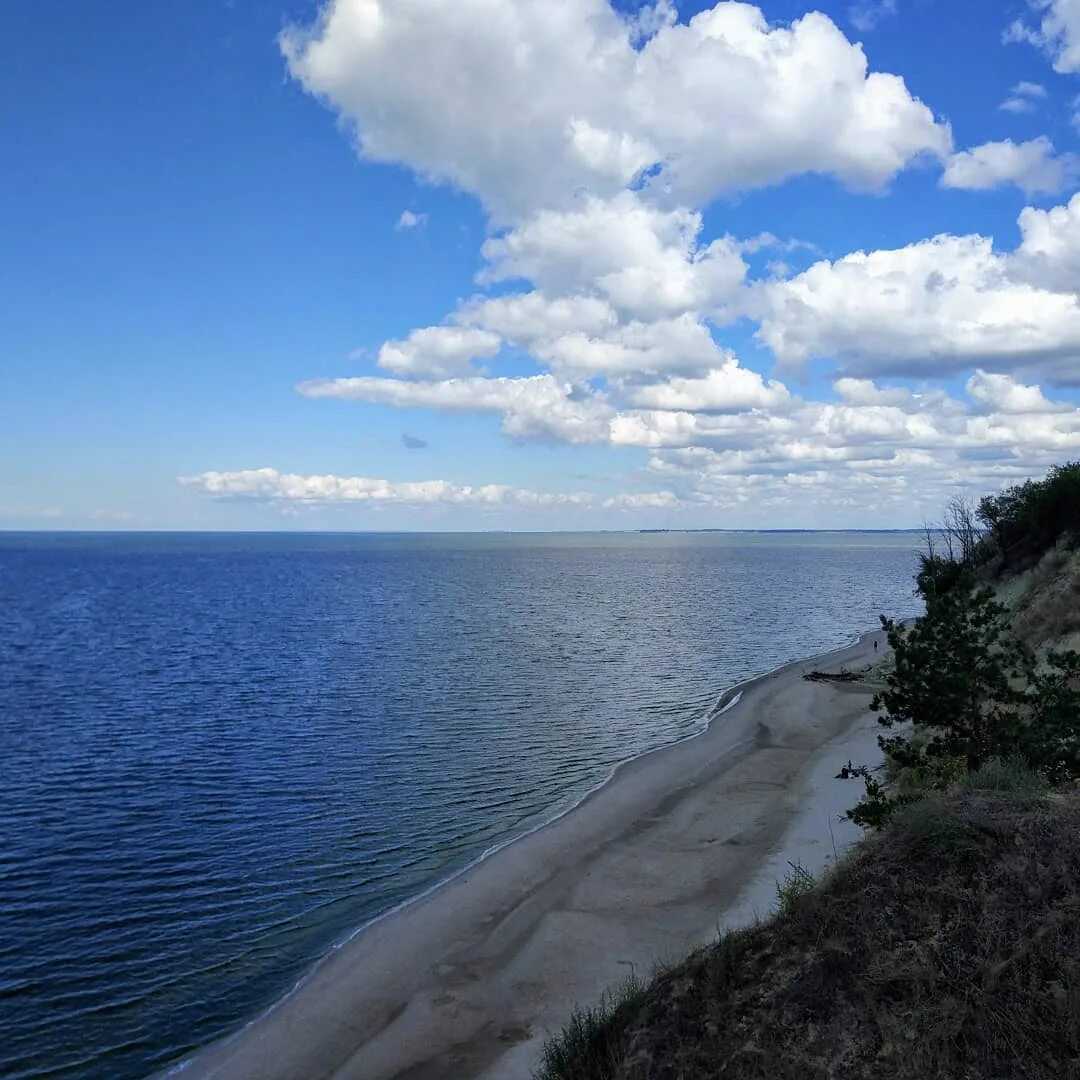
972,694
798,882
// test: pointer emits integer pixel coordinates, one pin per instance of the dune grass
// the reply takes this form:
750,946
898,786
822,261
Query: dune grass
946,946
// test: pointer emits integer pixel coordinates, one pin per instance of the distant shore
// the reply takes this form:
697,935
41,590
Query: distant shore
469,980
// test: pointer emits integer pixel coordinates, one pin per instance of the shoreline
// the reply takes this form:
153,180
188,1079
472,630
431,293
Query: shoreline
367,1007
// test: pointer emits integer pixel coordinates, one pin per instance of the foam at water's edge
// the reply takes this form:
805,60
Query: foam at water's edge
727,700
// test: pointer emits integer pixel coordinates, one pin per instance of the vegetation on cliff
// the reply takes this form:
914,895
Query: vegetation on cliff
967,688
947,946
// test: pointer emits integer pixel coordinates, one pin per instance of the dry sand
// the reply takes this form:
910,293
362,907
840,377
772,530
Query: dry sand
469,981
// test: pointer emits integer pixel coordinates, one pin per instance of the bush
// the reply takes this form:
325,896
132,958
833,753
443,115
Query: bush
797,884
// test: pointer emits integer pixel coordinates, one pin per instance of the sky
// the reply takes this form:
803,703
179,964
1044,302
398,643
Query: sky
535,264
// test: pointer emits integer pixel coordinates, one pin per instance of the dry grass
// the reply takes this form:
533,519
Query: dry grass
1046,599
949,946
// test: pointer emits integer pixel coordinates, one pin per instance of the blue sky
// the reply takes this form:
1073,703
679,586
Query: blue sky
202,219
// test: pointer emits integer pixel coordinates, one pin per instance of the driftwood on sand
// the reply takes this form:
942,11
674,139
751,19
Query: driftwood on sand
843,675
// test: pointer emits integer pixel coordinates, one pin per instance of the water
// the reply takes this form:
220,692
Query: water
221,753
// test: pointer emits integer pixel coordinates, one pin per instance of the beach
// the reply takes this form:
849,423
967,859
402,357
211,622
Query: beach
470,980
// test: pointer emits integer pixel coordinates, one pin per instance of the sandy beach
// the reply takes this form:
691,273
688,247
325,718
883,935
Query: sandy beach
469,981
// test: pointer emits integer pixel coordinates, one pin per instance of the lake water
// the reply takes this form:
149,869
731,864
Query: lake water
219,754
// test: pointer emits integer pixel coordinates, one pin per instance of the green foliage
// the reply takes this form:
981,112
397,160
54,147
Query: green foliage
876,805
973,694
958,674
1029,518
798,882
1051,738
939,574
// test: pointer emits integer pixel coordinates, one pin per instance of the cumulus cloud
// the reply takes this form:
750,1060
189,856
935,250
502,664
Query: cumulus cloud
1057,33
644,261
1033,166
938,306
866,392
1002,394
540,100
593,138
1049,253
269,485
438,351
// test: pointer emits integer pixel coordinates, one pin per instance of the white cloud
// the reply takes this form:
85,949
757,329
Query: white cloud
1049,253
1058,33
536,101
728,388
591,136
438,351
1017,105
1002,394
683,344
866,14
866,392
645,261
875,448
646,500
1023,98
411,220
938,306
762,241
1029,89
530,319
269,485
1033,166
537,407
893,450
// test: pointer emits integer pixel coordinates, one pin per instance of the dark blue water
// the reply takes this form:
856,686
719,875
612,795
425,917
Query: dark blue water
220,753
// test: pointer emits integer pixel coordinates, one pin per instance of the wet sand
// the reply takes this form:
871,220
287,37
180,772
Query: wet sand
470,980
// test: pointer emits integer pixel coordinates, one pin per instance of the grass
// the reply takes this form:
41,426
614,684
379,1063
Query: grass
589,1047
1050,608
946,946
1011,776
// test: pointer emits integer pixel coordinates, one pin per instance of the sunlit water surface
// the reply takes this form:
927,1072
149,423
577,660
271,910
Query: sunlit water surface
221,753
